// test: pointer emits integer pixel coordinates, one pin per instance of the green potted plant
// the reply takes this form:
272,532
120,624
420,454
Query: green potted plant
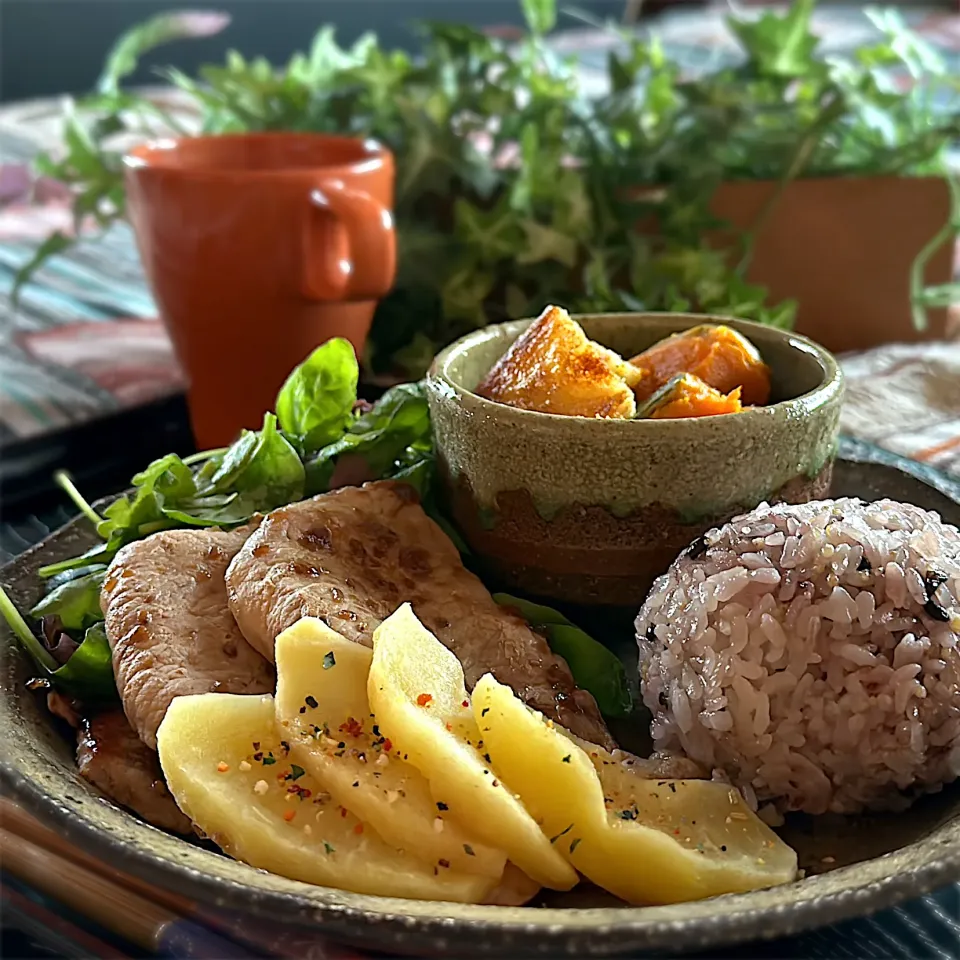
516,189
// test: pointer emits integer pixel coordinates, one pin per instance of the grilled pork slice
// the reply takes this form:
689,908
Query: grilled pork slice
353,556
553,368
169,627
116,761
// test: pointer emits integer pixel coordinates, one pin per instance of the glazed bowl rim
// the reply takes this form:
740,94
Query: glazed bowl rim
830,388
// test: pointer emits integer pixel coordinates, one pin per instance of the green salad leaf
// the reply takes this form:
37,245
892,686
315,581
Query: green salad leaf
76,601
278,464
594,667
88,674
262,470
386,438
317,399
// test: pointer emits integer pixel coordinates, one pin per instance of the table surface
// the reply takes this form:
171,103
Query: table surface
85,345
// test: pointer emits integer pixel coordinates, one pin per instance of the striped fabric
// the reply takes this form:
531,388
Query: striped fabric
906,398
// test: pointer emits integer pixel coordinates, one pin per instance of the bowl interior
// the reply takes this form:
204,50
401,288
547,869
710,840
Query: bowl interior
798,366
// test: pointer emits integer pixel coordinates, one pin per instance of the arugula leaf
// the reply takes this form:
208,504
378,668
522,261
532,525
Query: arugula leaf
76,602
316,400
594,667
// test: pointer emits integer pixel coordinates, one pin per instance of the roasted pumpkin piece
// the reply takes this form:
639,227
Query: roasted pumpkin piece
554,368
688,396
718,355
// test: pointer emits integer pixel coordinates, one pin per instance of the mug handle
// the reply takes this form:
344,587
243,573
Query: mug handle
367,272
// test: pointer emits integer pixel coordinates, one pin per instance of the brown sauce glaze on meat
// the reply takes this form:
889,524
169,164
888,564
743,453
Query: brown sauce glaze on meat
171,632
353,556
114,759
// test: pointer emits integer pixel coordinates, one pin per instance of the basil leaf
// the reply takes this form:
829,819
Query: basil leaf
316,401
594,667
76,602
88,674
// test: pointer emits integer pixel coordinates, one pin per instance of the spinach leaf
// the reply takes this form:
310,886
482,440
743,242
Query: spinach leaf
88,674
594,667
399,420
273,473
317,399
76,602
262,470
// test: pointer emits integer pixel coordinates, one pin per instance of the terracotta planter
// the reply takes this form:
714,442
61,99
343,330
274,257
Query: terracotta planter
843,248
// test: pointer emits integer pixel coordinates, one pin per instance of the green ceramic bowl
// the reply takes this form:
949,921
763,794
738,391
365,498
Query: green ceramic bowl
591,510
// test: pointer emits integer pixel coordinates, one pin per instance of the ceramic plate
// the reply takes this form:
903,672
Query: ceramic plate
854,866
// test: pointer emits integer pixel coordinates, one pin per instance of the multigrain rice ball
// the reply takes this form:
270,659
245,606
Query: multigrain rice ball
810,654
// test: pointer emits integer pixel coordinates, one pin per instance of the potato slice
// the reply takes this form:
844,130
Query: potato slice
227,769
514,890
322,704
656,841
417,691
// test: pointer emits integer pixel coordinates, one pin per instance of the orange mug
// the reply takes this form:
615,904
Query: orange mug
258,248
